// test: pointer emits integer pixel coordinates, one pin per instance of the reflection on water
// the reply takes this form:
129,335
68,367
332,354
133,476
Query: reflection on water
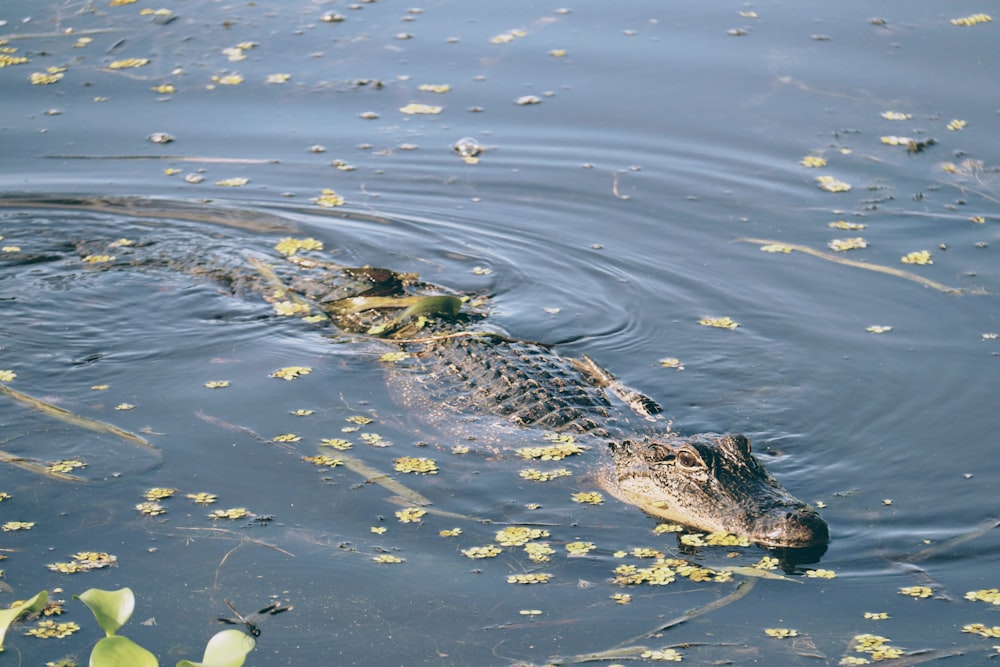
603,219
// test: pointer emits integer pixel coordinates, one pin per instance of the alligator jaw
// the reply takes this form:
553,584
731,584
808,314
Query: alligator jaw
712,483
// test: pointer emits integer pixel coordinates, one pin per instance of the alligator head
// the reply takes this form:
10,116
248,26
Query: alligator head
712,483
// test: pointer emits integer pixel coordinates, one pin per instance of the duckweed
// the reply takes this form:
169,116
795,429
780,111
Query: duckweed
544,476
323,461
781,633
488,551
916,591
51,630
291,372
410,515
588,498
718,322
516,536
231,514
416,465
538,578
843,245
150,508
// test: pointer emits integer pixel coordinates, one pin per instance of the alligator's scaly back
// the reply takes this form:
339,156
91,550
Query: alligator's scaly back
458,369
709,482
483,373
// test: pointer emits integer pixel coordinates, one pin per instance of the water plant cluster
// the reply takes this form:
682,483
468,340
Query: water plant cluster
112,610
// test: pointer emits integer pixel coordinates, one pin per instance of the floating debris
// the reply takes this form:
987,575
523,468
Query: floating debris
84,561
231,514
662,655
439,88
202,498
956,125
233,182
588,498
323,461
662,528
290,308
812,162
555,452
158,493
66,465
489,551
987,595
672,362
846,226
544,476
537,578
831,184
916,591
821,574
878,329
49,629
781,633
416,465
421,109
291,372
516,536
128,63
160,138
843,245
328,199
896,115
974,19
12,526
410,515
918,257
527,100
982,630
217,384
387,558
578,549
289,246
718,322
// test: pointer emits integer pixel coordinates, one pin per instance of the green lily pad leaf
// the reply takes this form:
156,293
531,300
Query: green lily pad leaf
118,651
112,609
8,616
228,648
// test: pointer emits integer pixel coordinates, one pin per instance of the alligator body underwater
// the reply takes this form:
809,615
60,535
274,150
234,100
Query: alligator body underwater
452,364
455,366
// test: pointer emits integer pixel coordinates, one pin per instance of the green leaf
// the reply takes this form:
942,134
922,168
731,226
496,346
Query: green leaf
112,609
8,616
117,651
228,648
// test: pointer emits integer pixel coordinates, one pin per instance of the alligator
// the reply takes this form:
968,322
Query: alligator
452,363
455,364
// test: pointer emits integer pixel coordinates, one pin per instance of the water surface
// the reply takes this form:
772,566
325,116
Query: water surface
607,219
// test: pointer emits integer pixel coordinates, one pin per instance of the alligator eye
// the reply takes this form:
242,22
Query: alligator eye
688,459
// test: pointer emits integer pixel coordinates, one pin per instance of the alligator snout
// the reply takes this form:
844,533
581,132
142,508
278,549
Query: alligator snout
797,527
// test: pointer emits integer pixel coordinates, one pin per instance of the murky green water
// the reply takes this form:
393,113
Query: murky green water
609,219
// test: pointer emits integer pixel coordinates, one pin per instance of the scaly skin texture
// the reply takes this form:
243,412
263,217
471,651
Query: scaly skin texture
709,482
459,369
